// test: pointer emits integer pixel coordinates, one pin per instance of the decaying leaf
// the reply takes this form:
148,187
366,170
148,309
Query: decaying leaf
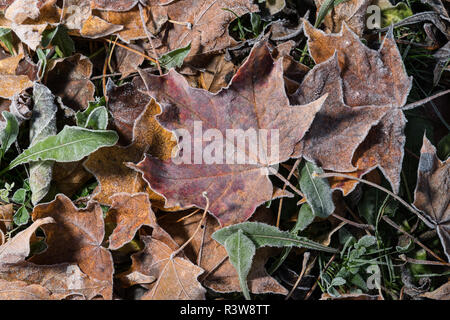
338,129
69,78
10,82
76,237
234,190
129,213
375,78
441,293
177,276
108,165
431,195
352,12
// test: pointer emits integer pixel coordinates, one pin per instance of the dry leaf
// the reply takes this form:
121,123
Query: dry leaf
255,99
76,237
431,195
369,77
69,78
352,12
441,293
176,276
108,164
129,213
337,129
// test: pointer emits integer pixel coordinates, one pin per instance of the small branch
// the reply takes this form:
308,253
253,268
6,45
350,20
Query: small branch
403,202
318,278
280,206
357,225
149,36
279,176
300,276
394,225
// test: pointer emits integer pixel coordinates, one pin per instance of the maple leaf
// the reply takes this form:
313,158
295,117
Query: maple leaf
337,129
69,78
255,99
24,280
108,165
12,83
76,237
375,78
431,195
116,5
212,257
129,213
176,276
352,12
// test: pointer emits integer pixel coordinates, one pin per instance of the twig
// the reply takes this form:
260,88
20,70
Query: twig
403,202
196,230
149,36
133,50
318,278
296,164
423,262
394,225
279,176
300,276
352,223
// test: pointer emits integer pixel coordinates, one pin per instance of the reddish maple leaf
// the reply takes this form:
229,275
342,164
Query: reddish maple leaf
254,100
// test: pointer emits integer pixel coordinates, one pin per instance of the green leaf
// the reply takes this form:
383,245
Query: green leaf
6,38
255,20
71,144
21,216
8,134
338,281
366,241
304,219
241,251
43,125
64,45
19,196
96,119
82,116
324,9
175,58
317,191
264,235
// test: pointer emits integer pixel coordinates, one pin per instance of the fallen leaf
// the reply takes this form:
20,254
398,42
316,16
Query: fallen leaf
431,195
441,293
76,237
234,190
375,78
108,165
128,61
338,129
95,27
352,12
115,5
129,213
69,78
18,248
177,276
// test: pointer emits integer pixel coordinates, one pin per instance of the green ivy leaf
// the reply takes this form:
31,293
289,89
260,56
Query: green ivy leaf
241,251
71,144
263,235
317,191
8,134
175,58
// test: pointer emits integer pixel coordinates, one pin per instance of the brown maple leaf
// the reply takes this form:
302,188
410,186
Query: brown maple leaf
76,237
338,129
129,213
115,5
69,78
375,78
20,279
176,276
108,165
254,100
352,12
431,195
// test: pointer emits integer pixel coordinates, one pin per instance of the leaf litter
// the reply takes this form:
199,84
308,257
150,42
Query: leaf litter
97,97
